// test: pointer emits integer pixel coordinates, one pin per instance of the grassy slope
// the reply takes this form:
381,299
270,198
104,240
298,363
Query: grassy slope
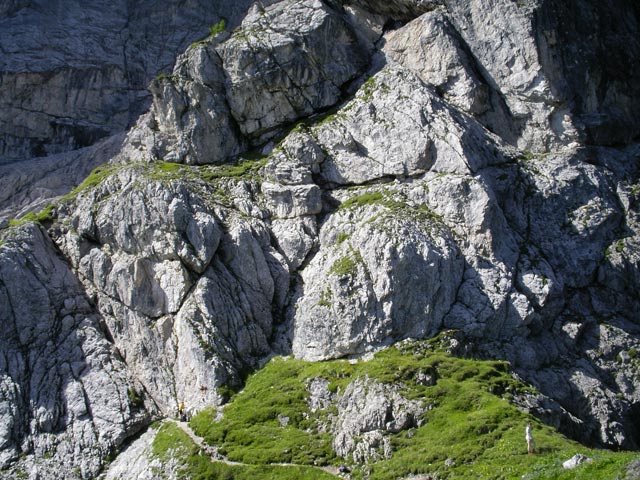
171,442
472,422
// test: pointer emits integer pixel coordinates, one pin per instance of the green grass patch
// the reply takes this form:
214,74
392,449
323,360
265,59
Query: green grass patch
470,430
247,168
135,399
162,171
95,178
394,203
172,443
342,237
253,429
166,76
347,265
214,30
326,298
43,216
217,28
201,468
527,156
369,87
364,199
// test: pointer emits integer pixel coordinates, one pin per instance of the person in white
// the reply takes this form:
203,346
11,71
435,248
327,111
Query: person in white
531,444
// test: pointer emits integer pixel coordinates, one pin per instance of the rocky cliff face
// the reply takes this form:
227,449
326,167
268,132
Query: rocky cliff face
454,165
76,72
73,73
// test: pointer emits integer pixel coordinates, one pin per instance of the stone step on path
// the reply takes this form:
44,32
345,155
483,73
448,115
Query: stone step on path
217,457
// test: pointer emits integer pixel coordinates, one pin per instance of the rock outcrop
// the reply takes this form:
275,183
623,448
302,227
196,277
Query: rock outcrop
74,73
68,397
186,287
233,91
453,167
37,182
367,413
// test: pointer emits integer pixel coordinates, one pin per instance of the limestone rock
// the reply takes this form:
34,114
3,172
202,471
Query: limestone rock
577,459
599,88
349,305
501,36
280,66
187,287
84,76
432,48
82,402
136,461
396,126
455,171
366,411
397,9
190,110
40,181
274,69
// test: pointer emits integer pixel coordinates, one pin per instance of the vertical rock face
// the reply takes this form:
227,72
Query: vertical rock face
588,52
528,70
350,302
454,167
67,395
75,72
185,286
280,65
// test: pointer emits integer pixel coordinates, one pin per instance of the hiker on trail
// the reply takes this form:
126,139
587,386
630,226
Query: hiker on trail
181,413
531,444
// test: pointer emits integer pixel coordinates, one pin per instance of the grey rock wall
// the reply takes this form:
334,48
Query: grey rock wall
454,166
68,398
185,286
231,92
75,72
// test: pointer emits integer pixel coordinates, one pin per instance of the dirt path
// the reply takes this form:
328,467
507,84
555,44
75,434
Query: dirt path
216,457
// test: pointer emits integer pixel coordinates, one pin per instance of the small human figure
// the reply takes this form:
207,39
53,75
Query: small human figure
181,413
343,469
531,443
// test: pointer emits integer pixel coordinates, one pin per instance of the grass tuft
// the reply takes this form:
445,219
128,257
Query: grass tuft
42,217
95,178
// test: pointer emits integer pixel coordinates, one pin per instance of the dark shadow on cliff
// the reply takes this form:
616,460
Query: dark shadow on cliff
567,349
32,184
589,52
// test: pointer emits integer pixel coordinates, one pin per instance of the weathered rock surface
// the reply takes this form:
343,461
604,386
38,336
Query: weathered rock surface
349,303
514,65
367,413
233,90
137,461
38,182
414,204
186,287
68,399
72,73
576,460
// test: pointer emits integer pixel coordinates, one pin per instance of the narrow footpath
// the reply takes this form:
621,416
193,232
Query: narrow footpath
216,457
